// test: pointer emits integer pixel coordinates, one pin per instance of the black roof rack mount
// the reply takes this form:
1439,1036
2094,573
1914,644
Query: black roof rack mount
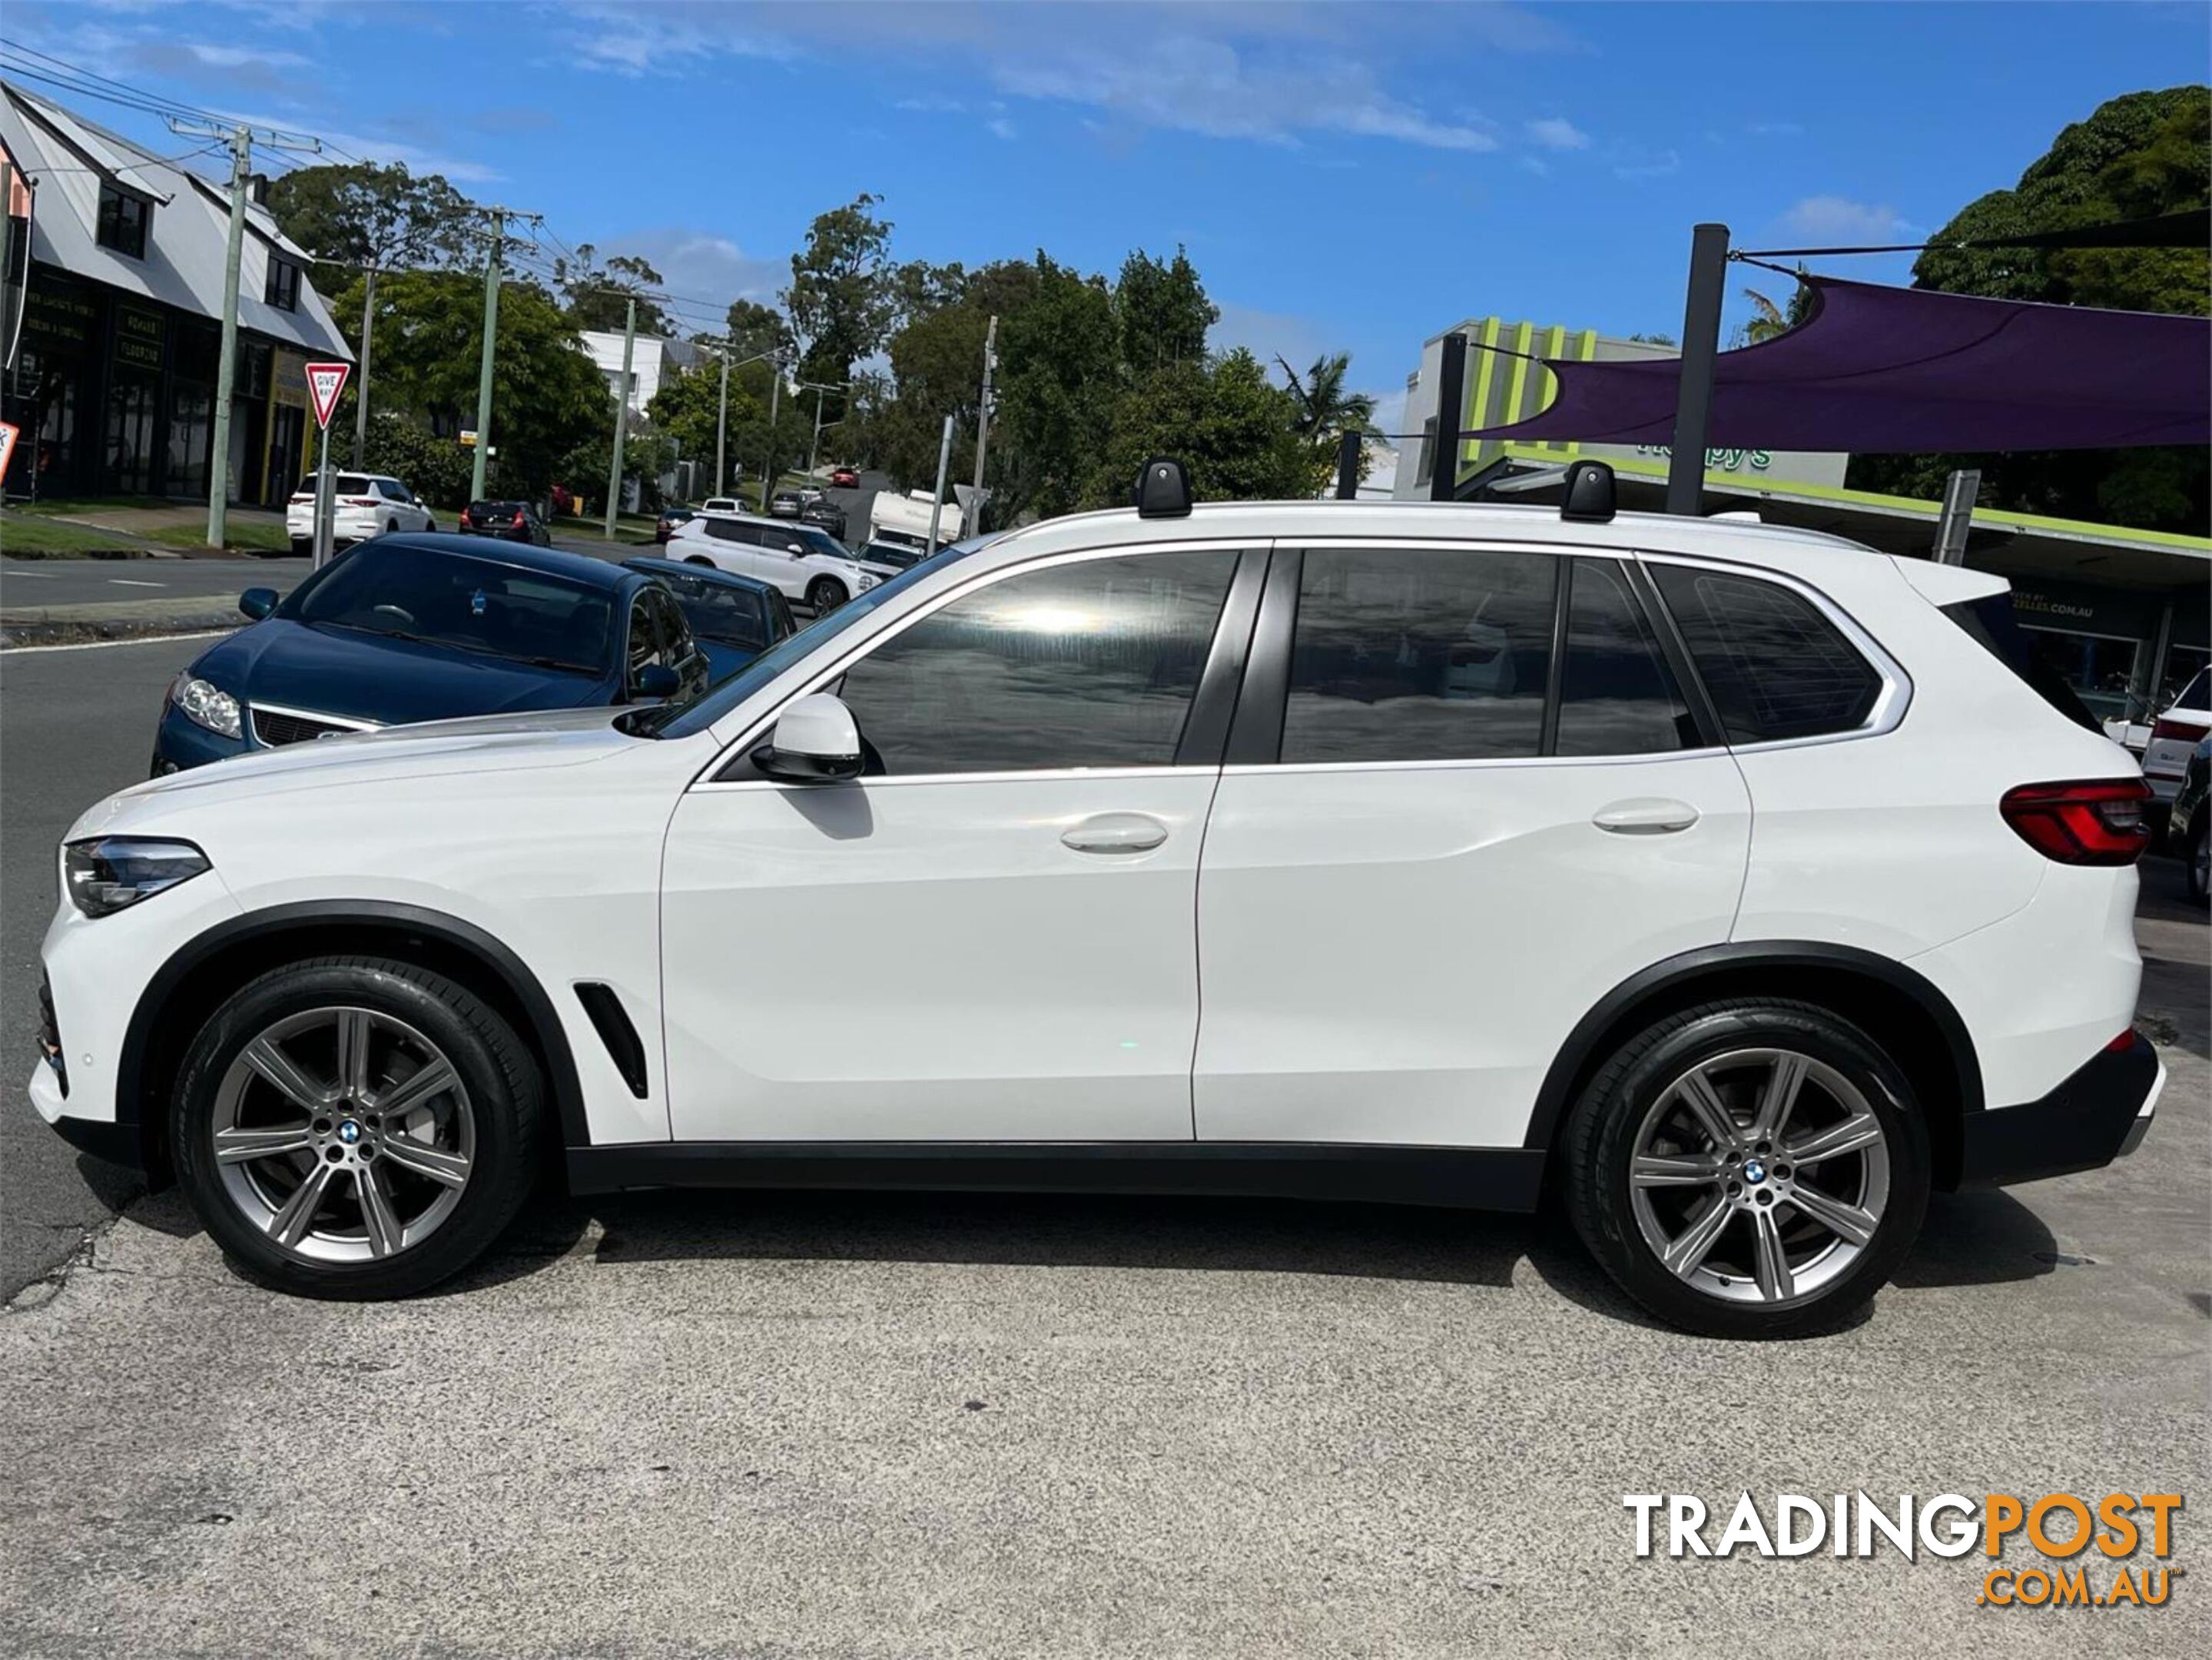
1162,490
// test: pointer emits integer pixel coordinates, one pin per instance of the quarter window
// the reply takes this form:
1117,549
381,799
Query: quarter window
1616,694
1410,655
1092,664
1774,666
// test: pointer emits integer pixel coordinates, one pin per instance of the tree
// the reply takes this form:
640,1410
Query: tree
1236,432
841,298
754,329
1324,410
548,396
2136,157
362,215
1768,320
1059,371
1163,311
598,295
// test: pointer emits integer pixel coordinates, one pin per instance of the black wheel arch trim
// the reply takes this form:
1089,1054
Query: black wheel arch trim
1687,967
551,1039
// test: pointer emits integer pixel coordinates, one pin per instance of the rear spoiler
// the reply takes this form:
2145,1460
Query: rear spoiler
1948,585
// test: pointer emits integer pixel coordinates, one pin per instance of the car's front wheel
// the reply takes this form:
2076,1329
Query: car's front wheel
1752,1168
825,594
355,1127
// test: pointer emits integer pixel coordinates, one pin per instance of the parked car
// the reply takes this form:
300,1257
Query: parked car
827,514
2189,822
845,478
889,558
802,560
1261,847
2175,733
427,628
734,619
664,526
365,505
510,521
785,504
725,504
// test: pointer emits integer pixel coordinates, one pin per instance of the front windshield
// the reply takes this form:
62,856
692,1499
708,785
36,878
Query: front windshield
684,720
404,592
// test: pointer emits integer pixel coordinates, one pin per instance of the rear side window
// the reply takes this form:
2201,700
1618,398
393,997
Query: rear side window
723,530
1774,666
1617,695
1087,665
1989,622
1404,654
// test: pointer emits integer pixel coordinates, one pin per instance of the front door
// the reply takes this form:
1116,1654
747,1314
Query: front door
990,936
1460,821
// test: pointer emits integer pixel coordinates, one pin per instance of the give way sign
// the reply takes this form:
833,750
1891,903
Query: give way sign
325,382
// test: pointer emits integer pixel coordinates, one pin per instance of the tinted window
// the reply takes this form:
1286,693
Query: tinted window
1988,622
2196,694
1419,656
727,615
1617,695
283,286
1085,664
423,595
122,222
1774,666
723,529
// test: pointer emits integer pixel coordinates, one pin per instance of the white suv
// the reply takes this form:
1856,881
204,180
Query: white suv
807,563
365,505
1727,876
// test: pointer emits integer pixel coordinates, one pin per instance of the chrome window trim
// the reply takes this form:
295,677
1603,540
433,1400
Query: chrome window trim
1048,775
1890,703
1487,762
804,680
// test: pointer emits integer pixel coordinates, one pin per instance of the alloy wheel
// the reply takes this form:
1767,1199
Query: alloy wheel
1759,1175
344,1134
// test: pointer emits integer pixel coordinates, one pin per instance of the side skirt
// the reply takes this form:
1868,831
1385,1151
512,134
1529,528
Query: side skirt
1475,1178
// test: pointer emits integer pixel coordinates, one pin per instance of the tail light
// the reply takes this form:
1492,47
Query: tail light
357,501
2095,822
517,521
2188,731
466,520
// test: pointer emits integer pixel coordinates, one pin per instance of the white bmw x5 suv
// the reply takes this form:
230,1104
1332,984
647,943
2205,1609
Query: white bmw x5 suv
1729,878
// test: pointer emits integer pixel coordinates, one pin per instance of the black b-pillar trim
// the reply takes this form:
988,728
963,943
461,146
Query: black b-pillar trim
1206,729
1255,737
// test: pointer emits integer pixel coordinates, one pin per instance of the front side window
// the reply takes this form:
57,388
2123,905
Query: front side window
1408,655
1617,695
122,222
1092,664
1774,666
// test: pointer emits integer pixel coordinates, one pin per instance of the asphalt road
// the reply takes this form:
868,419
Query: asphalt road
819,1424
44,582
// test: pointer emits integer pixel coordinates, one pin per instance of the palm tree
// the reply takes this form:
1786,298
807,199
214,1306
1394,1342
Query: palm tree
1326,410
1769,319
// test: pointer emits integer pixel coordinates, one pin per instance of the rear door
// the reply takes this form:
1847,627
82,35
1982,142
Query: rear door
1466,797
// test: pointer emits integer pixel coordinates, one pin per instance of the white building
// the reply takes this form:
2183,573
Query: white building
651,358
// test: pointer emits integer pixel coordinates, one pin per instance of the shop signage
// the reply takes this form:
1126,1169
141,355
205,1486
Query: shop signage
59,317
288,379
139,336
2085,611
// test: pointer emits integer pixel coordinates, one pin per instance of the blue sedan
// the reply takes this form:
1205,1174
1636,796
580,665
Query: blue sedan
427,627
734,618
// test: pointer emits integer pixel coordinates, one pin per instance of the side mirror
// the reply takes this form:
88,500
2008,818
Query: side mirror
816,741
659,680
258,603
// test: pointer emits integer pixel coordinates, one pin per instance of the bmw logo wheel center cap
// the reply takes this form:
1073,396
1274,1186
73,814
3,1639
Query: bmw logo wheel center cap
349,1132
1755,1170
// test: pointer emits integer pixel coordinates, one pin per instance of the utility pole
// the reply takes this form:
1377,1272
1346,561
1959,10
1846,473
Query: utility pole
984,418
361,381
820,392
240,140
937,507
722,428
621,415
494,266
775,392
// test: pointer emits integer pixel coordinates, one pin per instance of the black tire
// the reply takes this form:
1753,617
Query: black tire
2194,859
1600,1143
825,594
302,548
505,1093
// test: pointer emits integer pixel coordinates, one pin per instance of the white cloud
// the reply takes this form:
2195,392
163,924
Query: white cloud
1267,335
1839,220
1554,133
707,270
998,127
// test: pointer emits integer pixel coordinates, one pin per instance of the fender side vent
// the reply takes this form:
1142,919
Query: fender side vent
613,1023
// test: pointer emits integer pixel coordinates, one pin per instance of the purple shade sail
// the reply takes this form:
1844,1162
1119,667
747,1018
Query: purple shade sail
1877,368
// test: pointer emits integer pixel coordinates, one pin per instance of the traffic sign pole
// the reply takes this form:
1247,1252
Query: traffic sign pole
325,382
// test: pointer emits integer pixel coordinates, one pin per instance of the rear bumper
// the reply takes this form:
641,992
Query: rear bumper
2100,1112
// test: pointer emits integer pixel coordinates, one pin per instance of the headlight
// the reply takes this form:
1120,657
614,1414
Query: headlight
111,871
205,705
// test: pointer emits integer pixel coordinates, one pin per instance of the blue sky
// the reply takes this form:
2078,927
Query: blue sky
1352,177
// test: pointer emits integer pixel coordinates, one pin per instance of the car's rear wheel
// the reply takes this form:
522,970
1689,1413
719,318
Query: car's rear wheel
1753,1169
301,547
2199,861
355,1127
825,594
699,559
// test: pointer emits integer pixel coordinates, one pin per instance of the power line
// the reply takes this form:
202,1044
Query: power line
137,96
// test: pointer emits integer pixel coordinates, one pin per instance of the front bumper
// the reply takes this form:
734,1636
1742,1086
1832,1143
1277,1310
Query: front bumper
180,742
2099,1113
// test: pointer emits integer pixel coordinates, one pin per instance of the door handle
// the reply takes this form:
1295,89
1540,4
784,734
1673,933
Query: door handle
1116,832
1646,815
